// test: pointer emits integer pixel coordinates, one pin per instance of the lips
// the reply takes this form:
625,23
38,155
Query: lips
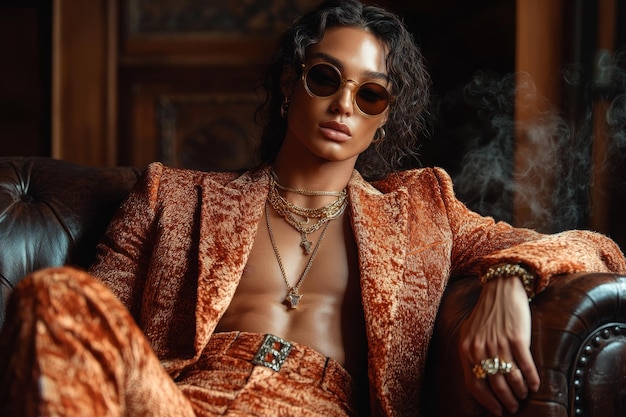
336,130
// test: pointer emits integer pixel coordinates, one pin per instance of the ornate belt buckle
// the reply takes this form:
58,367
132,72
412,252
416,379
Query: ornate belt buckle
272,353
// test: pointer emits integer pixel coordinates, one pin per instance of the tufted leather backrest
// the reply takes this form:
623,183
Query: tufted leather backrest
52,213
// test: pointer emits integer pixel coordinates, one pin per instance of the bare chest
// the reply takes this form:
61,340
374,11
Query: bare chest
324,282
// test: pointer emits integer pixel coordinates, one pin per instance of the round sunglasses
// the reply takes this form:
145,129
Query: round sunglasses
323,80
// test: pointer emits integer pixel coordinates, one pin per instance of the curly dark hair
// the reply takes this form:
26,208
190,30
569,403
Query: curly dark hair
409,80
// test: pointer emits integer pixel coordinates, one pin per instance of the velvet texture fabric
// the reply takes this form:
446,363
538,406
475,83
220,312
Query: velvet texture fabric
176,250
86,357
69,348
225,382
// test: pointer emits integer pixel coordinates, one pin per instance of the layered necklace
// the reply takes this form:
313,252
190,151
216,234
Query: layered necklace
290,213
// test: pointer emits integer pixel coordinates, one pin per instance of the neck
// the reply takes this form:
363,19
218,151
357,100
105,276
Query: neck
327,176
314,181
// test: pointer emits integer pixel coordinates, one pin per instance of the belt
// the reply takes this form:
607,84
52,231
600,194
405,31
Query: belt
273,352
287,359
280,355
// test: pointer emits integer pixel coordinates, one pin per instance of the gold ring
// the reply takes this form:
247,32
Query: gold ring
491,366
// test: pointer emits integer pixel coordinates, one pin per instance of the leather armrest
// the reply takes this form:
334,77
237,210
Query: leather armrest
578,343
53,212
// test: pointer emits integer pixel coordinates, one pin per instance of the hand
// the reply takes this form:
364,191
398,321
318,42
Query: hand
499,326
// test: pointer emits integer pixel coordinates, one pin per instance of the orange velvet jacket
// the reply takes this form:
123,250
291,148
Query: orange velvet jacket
177,248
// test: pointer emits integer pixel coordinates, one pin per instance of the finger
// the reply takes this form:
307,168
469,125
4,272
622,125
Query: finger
527,367
518,385
505,384
513,377
480,390
490,387
503,392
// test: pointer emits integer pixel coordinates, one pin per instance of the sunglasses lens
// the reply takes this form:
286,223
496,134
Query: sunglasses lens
372,98
324,80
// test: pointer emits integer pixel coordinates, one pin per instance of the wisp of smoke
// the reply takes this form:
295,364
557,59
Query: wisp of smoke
557,154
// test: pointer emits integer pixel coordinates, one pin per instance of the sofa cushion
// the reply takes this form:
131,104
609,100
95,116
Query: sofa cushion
53,212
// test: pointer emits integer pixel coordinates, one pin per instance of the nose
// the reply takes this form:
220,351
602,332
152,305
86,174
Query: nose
344,100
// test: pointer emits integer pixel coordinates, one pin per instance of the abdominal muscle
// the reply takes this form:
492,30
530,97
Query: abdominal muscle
310,326
329,317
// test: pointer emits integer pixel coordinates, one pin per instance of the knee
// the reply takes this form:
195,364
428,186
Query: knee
50,277
57,275
39,295
56,285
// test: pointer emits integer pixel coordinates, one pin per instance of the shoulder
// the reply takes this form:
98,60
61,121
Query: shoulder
420,180
163,185
181,177
160,171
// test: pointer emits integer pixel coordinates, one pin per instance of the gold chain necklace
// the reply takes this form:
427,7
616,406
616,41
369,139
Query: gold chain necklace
293,297
305,192
287,210
317,213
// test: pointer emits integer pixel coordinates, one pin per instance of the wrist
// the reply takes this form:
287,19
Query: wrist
511,270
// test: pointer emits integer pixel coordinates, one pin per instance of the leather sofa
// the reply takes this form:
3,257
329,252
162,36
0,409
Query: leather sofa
53,212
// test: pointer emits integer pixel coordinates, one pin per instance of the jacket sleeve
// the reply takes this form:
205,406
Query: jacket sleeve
480,242
123,255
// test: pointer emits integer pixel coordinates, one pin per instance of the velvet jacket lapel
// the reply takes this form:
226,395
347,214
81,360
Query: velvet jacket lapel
236,208
380,230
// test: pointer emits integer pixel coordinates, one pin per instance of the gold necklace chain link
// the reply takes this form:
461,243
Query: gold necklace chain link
304,227
326,211
288,211
300,191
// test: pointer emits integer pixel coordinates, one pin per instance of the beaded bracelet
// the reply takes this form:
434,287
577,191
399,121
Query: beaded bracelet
510,270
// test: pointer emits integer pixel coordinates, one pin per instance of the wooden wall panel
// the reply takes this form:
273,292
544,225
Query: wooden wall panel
539,56
161,108
187,86
602,158
83,82
24,83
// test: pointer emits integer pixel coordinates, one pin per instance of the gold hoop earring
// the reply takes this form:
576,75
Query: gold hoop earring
379,136
284,107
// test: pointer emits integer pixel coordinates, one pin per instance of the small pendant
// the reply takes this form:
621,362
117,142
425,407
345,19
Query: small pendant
293,299
306,244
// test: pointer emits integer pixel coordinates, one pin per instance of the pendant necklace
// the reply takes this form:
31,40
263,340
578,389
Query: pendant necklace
293,297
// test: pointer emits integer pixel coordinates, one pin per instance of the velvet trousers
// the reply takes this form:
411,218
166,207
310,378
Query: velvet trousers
70,348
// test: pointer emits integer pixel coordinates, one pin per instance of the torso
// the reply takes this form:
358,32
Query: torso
329,317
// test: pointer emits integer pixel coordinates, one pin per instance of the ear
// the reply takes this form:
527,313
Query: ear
385,119
288,80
